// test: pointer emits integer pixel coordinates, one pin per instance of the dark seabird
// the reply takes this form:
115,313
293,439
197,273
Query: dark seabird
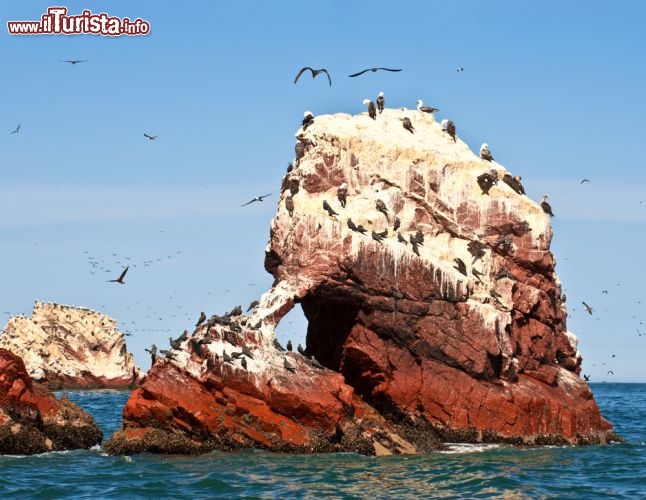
584,180
449,127
425,109
408,125
278,346
152,351
377,237
308,119
417,238
495,294
486,181
415,247
288,365
253,305
384,233
289,346
342,194
352,226
586,377
16,131
246,351
372,110
236,354
505,273
120,278
328,208
547,208
300,349
587,308
299,151
381,207
381,102
226,357
73,61
503,243
373,70
315,73
236,311
461,266
243,362
514,183
202,319
485,154
150,137
401,239
477,274
361,229
476,249
610,372
230,338
289,205
396,224
175,344
256,198
316,364
460,69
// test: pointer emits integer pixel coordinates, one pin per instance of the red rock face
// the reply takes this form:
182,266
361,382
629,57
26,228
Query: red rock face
32,420
421,342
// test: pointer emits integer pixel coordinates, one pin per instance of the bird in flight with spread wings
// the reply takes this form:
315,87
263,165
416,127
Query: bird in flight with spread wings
373,70
257,198
315,73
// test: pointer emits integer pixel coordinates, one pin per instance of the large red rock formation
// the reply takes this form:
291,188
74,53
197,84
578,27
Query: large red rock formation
32,420
459,336
66,347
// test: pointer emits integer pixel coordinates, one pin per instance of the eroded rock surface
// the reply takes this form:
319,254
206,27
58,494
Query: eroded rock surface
434,308
72,348
32,420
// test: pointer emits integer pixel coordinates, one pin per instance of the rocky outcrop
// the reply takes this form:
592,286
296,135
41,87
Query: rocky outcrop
72,348
433,305
32,420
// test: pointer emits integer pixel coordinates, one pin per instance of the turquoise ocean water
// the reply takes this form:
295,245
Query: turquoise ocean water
616,471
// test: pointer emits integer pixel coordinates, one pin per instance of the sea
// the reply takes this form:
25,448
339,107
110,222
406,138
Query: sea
465,471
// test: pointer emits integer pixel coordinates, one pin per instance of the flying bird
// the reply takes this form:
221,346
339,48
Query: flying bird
120,278
425,109
150,137
408,125
372,110
373,70
15,131
256,198
460,69
485,154
381,102
315,73
73,61
587,308
584,180
547,208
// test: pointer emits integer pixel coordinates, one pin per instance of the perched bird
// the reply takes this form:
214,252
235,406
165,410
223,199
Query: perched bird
547,208
308,119
487,180
505,273
461,266
316,364
425,109
315,73
449,127
152,351
201,319
514,183
246,351
381,102
278,346
15,131
256,198
361,229
396,224
289,346
342,194
485,154
226,357
381,207
476,249
175,344
353,227
243,362
289,205
373,70
372,110
401,239
150,137
300,349
418,237
72,61
415,247
587,308
329,209
253,305
377,237
406,123
289,366
120,278
477,274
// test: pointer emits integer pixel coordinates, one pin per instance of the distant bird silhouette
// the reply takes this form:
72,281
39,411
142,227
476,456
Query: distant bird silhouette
584,180
406,123
397,223
460,69
328,208
373,70
15,131
586,377
587,308
73,61
610,372
547,208
150,137
243,362
256,198
377,237
120,278
246,351
315,73
401,239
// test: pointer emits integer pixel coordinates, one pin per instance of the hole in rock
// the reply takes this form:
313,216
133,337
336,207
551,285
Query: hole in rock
292,326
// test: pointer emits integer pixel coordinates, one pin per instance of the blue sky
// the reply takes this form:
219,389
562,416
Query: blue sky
555,88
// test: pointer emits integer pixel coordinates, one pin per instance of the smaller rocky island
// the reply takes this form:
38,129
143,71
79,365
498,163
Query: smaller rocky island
66,347
32,420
